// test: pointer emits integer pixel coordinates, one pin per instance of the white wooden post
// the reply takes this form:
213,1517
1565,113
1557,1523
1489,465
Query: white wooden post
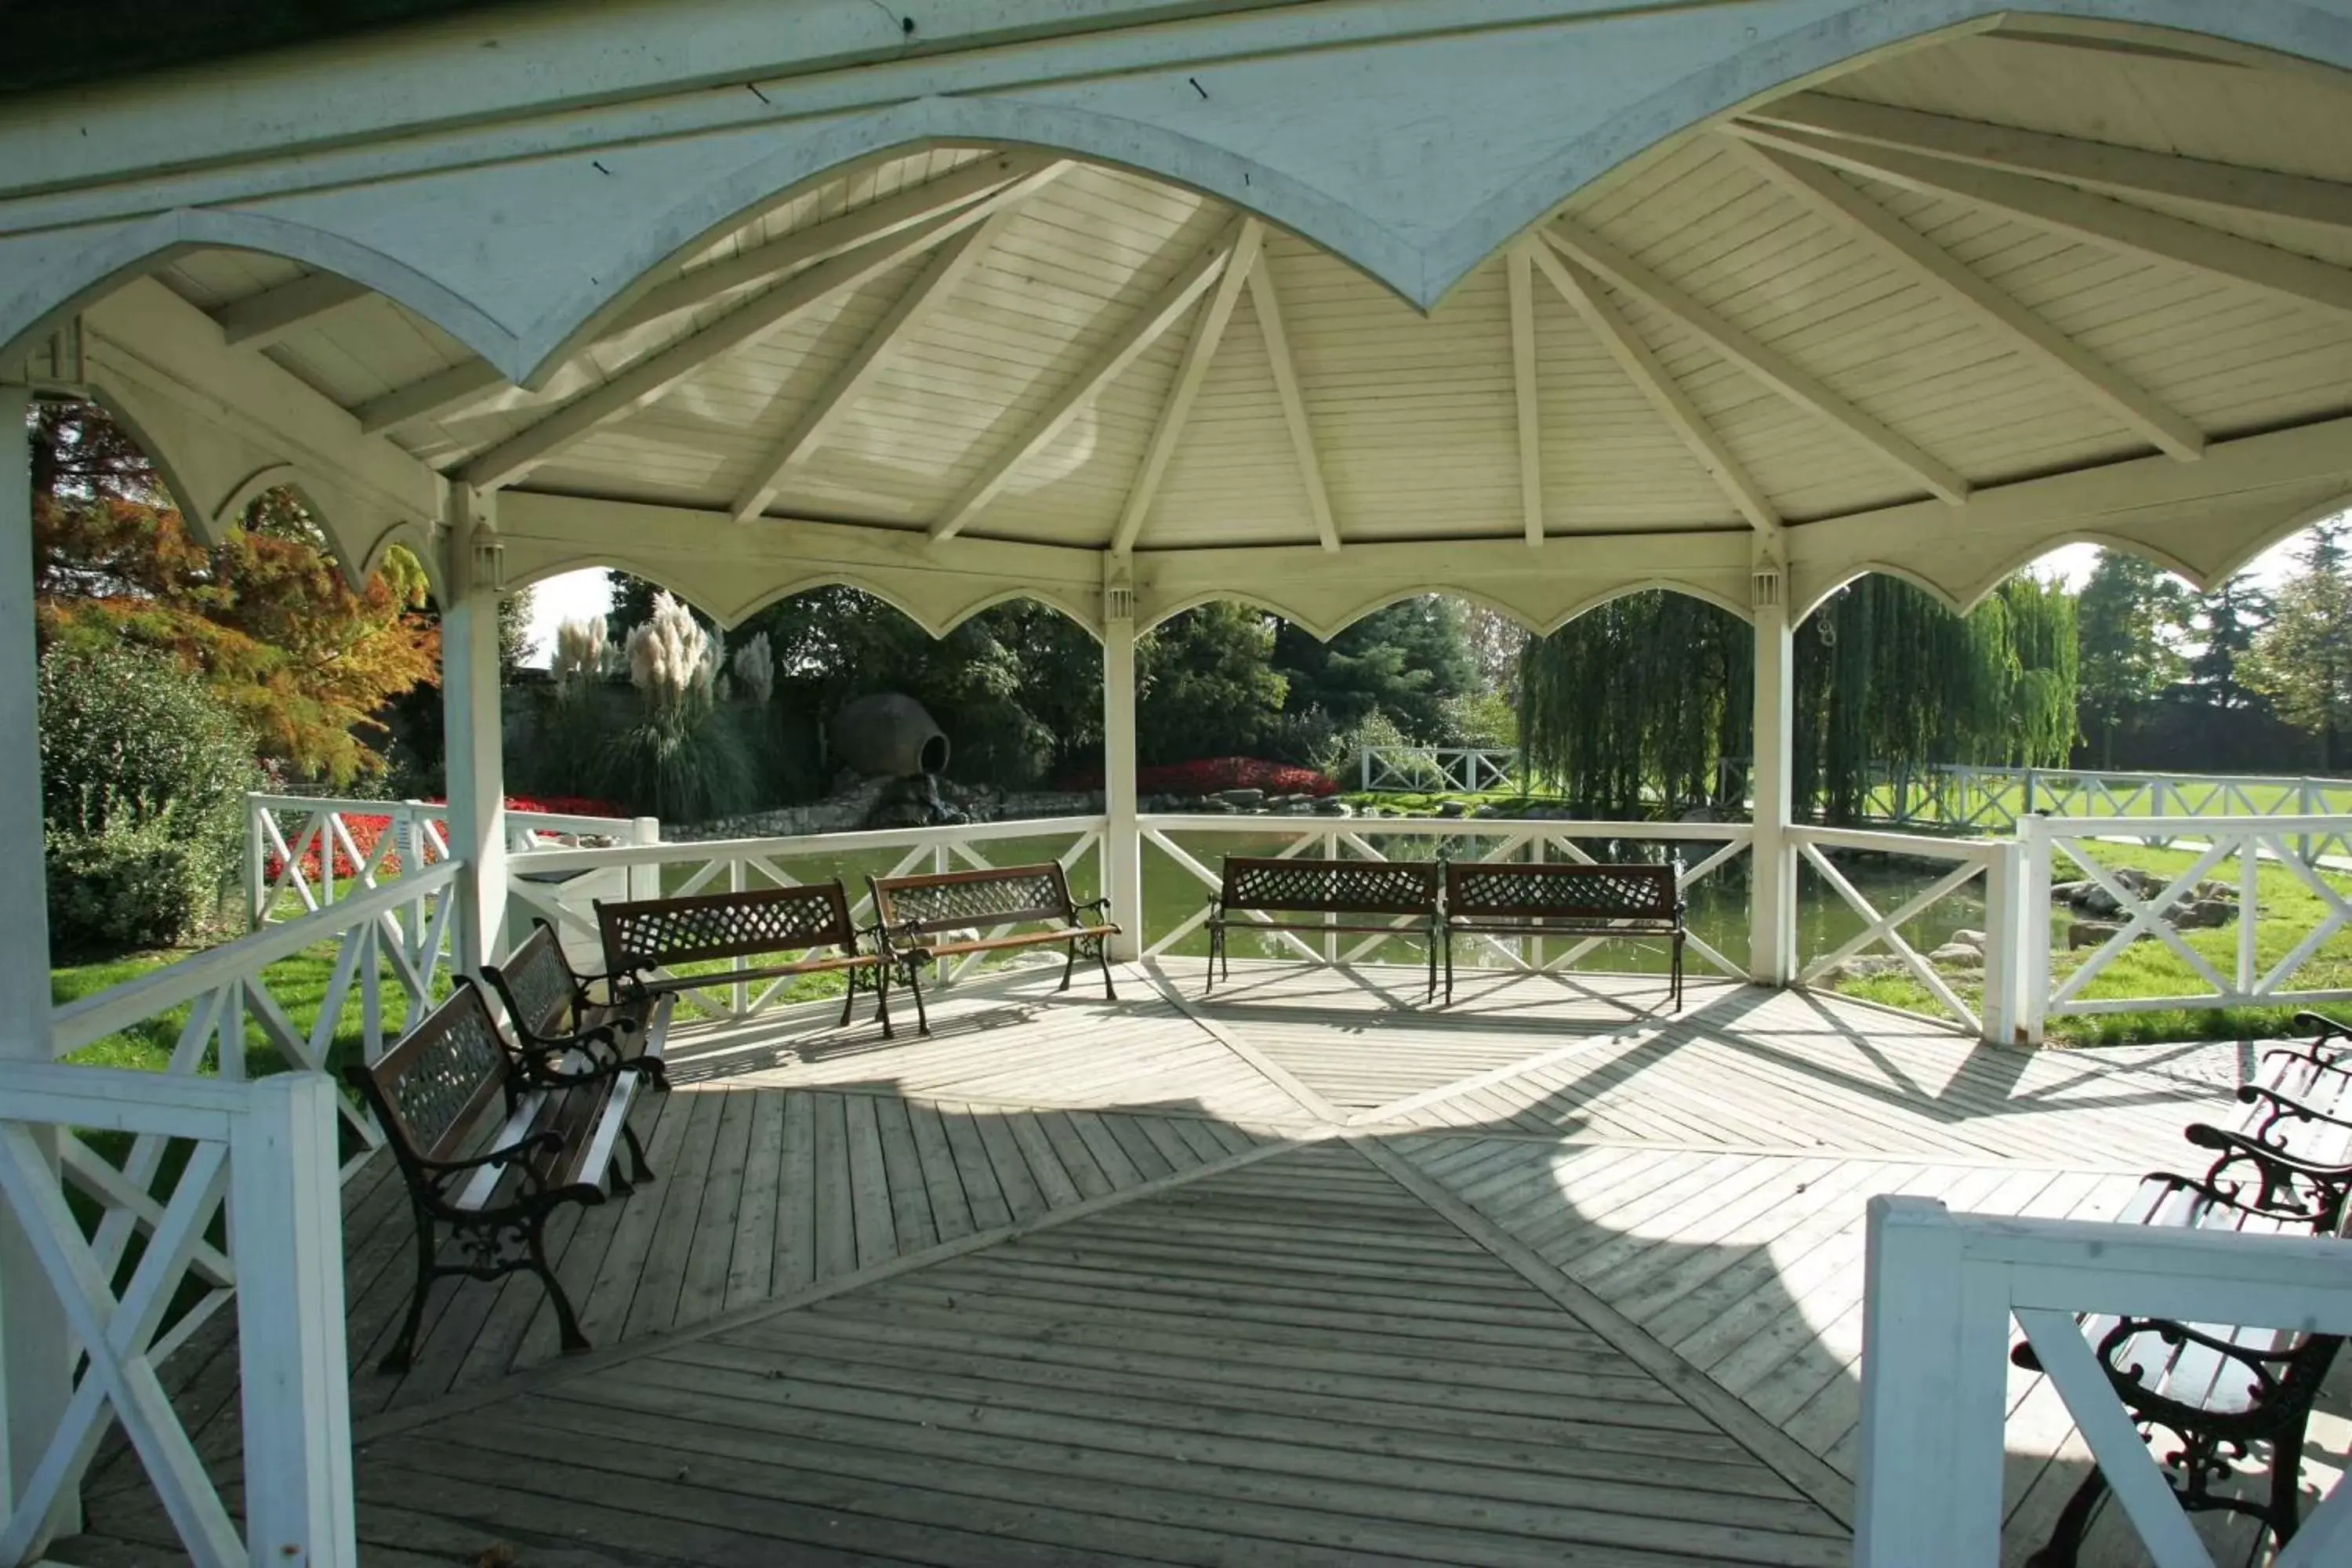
1122,843
1773,874
645,881
37,1353
256,878
1933,1382
285,1200
469,705
2007,924
2031,943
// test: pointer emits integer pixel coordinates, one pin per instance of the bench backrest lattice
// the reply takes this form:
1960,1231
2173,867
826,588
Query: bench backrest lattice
541,994
1523,892
955,900
1320,887
437,1084
658,932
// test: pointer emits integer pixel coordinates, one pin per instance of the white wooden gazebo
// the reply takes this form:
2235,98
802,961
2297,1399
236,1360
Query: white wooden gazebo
1127,306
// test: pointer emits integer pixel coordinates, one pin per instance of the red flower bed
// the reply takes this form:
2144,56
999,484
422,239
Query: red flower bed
1207,775
367,828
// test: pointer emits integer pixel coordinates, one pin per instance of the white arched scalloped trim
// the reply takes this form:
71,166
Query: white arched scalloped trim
1324,630
731,616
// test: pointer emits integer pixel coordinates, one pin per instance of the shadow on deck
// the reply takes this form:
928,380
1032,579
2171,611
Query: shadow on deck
1305,1272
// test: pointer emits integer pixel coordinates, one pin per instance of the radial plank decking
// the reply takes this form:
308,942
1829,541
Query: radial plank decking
1307,1272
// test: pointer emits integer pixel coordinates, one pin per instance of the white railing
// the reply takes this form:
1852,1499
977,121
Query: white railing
268,1152
562,885
1995,799
399,931
1994,862
1940,1291
2233,849
304,852
1465,768
1479,839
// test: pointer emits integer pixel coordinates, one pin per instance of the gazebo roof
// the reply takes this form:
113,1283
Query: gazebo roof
1933,310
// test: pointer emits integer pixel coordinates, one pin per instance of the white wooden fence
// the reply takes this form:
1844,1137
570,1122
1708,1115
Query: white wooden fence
562,885
1465,768
254,1214
2232,849
269,1149
1993,864
1996,799
1940,1292
303,853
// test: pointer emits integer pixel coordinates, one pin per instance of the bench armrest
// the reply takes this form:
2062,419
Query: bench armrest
2284,1106
542,1065
438,1171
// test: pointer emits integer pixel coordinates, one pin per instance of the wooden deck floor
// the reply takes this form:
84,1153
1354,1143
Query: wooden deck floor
1307,1272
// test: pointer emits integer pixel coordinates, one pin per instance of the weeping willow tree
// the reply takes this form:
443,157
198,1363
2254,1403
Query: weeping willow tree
1635,702
1633,707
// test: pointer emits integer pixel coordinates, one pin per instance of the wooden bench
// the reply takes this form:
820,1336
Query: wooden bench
2285,1167
1539,898
557,1022
646,935
1355,896
951,914
492,1141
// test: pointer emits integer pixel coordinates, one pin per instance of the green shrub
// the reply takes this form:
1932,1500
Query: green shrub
143,773
129,885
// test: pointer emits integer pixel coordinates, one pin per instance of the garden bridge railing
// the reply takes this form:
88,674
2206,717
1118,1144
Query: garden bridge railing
1465,769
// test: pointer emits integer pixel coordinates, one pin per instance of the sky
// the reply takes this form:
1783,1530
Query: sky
575,594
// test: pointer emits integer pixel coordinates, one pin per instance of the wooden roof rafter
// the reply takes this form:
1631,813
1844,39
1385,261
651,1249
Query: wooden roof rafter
648,378
949,267
2107,167
1642,366
1827,195
1190,372
1266,301
1768,366
2103,220
1143,329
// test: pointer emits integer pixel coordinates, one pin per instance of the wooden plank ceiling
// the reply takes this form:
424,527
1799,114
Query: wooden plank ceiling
2011,254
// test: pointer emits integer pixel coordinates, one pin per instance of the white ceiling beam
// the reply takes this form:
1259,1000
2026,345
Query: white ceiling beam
1582,290
1142,330
2116,226
938,280
1767,365
2140,410
2101,166
259,320
648,378
1519,268
1268,302
899,210
1177,406
439,392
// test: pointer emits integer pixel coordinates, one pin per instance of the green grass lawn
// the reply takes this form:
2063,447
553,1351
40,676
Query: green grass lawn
299,983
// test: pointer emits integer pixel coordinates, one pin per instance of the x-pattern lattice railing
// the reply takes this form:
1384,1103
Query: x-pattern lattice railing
2234,847
313,852
1970,859
1489,839
1968,796
1941,1290
1469,769
260,1169
561,884
398,933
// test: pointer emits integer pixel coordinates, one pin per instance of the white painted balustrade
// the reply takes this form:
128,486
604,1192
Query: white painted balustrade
303,853
1465,768
1992,863
1941,1292
266,1151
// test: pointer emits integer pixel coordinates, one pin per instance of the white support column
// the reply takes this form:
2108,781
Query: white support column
476,766
36,1353
1122,847
285,1201
1772,878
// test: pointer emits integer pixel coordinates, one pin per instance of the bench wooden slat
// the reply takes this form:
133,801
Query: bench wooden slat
643,939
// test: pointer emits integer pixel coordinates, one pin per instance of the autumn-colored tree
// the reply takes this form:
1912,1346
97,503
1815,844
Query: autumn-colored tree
266,615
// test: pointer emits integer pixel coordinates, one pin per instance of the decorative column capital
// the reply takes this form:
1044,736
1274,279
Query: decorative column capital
1118,590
